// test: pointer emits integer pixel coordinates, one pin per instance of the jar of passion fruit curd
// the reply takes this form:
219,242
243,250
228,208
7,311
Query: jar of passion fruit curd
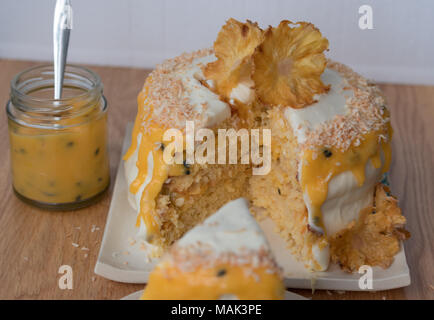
58,148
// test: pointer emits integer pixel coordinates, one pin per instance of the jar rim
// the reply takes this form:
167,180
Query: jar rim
29,109
92,77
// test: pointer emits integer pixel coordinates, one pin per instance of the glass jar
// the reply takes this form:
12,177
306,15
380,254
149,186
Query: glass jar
58,148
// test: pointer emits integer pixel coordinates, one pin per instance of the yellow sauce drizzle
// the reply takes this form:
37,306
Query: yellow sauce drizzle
321,165
152,138
168,282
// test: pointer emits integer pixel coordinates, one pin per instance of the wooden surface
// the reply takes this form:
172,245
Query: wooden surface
35,243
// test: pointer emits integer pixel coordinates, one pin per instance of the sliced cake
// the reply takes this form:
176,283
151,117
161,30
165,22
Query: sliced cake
225,257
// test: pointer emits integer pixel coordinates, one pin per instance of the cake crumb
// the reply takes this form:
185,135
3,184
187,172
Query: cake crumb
131,241
179,202
85,249
86,255
76,245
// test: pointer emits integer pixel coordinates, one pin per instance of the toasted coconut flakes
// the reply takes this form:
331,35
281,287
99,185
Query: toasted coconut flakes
200,254
167,94
366,114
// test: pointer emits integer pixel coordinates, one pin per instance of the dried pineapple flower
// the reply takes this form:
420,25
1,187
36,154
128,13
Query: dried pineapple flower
233,48
289,63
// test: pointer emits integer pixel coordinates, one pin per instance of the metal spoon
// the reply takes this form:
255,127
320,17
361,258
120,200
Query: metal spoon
61,31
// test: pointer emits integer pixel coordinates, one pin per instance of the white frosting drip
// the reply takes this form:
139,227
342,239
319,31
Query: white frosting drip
131,172
231,229
328,106
321,256
345,198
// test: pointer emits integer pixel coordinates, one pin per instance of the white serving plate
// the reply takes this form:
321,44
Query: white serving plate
288,296
120,260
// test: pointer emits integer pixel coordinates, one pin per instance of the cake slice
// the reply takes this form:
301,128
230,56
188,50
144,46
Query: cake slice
225,257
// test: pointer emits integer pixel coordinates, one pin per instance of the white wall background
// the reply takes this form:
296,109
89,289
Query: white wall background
142,33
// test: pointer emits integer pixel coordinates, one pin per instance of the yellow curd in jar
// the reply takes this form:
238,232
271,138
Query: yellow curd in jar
59,156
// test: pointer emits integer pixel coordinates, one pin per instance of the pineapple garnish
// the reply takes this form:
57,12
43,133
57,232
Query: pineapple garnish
288,65
234,47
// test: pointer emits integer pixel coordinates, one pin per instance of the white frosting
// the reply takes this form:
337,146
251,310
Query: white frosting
328,106
199,95
345,198
321,256
231,229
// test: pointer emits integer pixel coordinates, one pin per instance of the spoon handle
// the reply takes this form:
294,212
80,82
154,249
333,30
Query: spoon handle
61,31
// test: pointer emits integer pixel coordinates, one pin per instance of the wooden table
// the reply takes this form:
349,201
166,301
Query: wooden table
35,243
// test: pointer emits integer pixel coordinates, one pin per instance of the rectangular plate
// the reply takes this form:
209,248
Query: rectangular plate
120,260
